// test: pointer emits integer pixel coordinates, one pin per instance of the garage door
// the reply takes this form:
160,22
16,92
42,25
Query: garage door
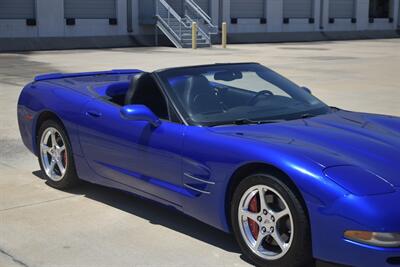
341,8
398,18
177,5
298,8
204,4
17,9
247,9
90,9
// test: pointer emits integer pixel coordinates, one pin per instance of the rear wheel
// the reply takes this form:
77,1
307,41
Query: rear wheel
269,223
55,155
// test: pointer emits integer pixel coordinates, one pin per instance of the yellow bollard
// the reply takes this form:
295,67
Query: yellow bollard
224,35
194,35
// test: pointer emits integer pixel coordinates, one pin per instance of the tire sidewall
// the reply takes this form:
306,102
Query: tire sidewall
70,177
299,253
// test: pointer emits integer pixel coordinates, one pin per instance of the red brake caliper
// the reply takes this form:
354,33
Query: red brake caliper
254,207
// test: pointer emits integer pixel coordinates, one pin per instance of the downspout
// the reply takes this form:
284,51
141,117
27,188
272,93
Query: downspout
321,15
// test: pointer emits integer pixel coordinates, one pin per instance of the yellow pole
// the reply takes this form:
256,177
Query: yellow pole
224,35
194,35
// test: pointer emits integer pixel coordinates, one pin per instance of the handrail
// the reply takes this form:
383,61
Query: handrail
202,32
199,10
171,10
166,21
203,15
177,27
170,29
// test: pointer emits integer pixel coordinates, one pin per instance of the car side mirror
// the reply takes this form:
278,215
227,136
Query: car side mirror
140,113
306,89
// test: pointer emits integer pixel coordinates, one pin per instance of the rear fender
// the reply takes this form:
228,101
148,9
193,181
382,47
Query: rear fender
66,105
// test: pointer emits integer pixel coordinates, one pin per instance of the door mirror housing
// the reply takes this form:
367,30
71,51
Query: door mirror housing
140,113
306,89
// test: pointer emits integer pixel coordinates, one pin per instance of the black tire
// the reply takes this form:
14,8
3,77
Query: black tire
299,253
70,177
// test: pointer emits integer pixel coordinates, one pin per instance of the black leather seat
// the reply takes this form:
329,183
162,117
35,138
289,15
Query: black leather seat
138,81
143,90
199,96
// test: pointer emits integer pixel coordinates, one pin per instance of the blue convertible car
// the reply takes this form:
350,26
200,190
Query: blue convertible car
236,146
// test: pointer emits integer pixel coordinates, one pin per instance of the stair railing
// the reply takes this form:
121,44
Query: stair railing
195,13
199,29
167,15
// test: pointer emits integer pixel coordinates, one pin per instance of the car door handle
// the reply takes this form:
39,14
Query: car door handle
93,113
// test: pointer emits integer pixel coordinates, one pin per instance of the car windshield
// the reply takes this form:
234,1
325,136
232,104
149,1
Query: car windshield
238,94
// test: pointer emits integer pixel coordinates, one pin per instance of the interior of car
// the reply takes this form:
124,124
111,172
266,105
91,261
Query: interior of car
143,90
199,94
210,96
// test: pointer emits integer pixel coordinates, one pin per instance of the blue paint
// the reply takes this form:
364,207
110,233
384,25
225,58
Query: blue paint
153,160
154,181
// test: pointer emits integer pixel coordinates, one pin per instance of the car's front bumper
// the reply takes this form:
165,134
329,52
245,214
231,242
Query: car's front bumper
378,213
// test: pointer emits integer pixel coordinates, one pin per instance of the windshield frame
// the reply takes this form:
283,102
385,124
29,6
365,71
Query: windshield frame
186,118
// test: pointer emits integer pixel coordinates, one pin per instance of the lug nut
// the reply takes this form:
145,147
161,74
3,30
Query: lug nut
259,218
271,230
272,218
265,212
263,229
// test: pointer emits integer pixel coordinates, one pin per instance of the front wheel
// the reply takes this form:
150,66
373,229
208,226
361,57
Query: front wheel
55,155
270,223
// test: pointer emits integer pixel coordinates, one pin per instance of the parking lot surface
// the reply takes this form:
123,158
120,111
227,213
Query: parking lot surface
96,226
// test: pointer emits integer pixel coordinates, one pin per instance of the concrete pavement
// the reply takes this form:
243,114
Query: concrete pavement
96,226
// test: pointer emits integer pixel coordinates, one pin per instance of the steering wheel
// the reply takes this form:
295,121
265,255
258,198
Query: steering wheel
254,99
220,91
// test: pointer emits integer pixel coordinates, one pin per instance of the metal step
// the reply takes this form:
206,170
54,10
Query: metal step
178,29
189,39
170,36
198,45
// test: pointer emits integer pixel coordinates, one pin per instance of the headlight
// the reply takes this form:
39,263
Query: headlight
374,238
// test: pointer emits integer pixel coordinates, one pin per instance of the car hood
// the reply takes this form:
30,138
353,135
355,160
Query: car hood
371,142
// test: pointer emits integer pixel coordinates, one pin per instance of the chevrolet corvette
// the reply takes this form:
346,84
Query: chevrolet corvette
236,146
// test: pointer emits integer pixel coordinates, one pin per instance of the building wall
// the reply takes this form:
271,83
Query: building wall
274,11
50,21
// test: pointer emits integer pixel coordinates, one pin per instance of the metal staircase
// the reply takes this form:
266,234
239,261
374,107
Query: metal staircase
179,29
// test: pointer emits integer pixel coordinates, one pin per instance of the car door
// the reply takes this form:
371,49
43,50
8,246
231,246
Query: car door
133,153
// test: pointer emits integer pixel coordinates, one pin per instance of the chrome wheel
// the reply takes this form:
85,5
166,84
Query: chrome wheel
266,223
53,154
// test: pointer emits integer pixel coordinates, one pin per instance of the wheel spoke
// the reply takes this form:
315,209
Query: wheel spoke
263,203
45,148
279,241
52,165
60,167
278,215
53,139
249,214
259,241
61,148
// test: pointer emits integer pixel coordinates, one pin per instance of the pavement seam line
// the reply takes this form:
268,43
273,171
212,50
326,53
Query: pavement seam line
7,165
37,203
2,251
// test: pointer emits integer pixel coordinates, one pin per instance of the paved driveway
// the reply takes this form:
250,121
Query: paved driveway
96,226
